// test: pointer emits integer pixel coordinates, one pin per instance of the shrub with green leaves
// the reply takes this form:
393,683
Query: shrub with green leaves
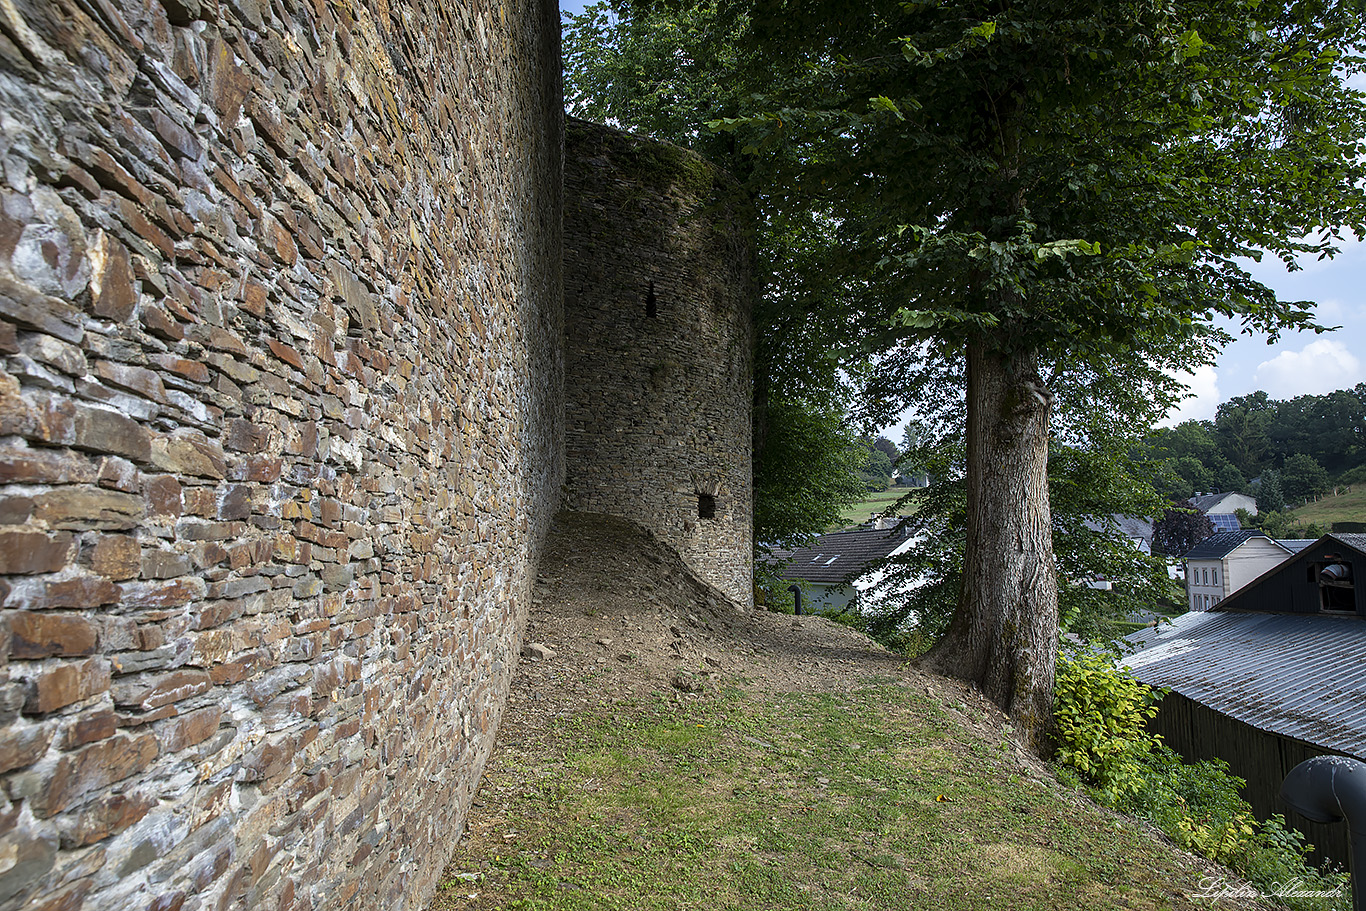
1101,713
1196,803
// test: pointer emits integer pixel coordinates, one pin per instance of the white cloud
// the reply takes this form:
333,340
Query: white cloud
1332,310
1318,368
1202,400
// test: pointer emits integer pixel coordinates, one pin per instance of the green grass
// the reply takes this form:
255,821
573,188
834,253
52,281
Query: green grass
876,800
1345,507
874,504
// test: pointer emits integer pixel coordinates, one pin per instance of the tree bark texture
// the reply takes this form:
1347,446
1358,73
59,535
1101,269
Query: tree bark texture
1003,635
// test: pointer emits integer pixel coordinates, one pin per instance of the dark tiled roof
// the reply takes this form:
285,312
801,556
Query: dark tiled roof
1222,543
1135,527
1295,545
1355,541
1129,526
1298,675
842,555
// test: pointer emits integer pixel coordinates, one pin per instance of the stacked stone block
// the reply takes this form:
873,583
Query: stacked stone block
280,434
658,292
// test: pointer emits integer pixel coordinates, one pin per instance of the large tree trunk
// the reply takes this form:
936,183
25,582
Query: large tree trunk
1004,633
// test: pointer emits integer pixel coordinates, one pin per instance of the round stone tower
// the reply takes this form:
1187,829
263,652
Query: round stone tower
658,282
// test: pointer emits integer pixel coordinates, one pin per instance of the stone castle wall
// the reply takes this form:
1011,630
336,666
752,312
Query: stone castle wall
658,287
280,434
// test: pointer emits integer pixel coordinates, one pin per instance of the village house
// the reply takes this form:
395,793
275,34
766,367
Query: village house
1222,508
836,572
1226,561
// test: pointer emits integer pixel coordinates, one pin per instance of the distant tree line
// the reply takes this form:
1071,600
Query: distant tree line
884,464
1282,452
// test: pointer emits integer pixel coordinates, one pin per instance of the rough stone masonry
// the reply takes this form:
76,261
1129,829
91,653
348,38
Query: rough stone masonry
282,398
659,348
280,435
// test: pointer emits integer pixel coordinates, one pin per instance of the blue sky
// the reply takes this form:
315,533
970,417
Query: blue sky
1299,363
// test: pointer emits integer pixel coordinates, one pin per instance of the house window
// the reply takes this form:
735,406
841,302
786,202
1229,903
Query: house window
1337,594
706,506
1205,574
1215,574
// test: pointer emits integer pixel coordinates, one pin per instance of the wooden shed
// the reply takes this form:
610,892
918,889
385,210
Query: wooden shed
1270,677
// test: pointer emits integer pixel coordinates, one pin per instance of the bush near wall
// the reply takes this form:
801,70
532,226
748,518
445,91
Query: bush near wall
1100,714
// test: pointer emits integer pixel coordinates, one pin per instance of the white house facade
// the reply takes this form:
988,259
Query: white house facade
1225,562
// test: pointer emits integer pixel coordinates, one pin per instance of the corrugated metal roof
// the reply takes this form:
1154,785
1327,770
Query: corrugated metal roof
841,555
1295,675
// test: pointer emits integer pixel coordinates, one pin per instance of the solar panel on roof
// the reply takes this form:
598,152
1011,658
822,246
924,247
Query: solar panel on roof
1224,522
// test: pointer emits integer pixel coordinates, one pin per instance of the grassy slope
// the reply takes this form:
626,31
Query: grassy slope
872,505
878,799
1347,507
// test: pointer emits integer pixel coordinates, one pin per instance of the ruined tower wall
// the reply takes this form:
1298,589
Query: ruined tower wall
658,289
280,434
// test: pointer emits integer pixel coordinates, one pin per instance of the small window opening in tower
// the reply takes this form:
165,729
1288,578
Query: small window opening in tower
651,305
706,506
1336,592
